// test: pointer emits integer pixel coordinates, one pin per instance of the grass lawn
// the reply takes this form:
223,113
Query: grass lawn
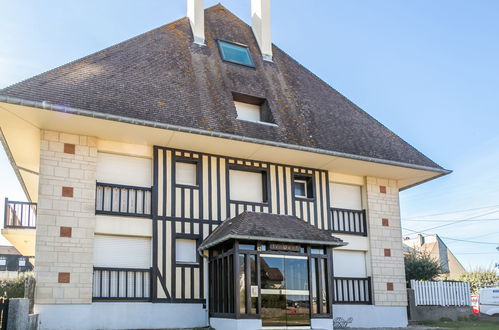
479,324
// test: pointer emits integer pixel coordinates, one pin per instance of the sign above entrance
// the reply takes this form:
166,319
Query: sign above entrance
284,247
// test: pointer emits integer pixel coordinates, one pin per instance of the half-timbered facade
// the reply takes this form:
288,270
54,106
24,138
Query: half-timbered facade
197,175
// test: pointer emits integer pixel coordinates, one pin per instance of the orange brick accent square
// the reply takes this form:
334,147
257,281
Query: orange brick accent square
388,252
69,148
384,222
64,278
389,286
382,189
67,191
66,231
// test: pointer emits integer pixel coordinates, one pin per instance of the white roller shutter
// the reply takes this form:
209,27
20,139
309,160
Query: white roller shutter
349,263
246,186
346,196
122,251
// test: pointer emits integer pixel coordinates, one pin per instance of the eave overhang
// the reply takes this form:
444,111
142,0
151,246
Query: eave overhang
46,116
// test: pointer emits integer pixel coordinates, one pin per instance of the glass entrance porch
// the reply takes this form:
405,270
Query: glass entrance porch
284,285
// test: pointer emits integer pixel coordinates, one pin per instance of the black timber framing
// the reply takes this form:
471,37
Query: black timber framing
212,182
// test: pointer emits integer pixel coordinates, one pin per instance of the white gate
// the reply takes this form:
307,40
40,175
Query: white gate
441,293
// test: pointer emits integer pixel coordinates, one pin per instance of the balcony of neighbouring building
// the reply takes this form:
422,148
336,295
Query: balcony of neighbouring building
20,225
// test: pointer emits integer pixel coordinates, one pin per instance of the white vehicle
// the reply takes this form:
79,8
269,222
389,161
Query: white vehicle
489,301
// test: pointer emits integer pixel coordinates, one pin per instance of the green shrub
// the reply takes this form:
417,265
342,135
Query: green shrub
445,319
13,287
479,278
462,318
473,317
420,266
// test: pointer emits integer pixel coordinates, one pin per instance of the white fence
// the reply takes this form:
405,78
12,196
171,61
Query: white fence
441,293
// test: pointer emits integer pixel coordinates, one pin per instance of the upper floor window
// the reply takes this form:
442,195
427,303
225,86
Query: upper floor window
303,186
236,53
246,111
185,251
345,196
3,261
22,262
248,186
252,108
186,173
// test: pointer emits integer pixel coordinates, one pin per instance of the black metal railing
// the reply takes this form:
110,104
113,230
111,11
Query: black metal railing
121,284
352,290
348,221
115,199
20,214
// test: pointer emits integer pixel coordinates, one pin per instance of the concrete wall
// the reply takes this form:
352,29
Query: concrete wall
369,316
121,315
385,239
66,204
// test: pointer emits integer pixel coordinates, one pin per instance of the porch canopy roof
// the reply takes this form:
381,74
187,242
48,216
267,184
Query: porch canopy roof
260,226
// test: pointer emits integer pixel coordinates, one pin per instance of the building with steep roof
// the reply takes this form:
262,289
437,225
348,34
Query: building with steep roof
168,175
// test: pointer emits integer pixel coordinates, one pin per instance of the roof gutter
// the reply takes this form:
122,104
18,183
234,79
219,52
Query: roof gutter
87,113
271,239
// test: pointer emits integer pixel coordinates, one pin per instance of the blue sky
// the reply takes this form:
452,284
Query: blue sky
426,69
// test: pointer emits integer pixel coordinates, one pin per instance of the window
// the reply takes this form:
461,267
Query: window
247,111
122,251
346,196
186,173
186,250
3,261
22,262
349,263
248,186
236,53
303,187
252,108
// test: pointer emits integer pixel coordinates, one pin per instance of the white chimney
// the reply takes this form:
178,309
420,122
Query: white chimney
260,23
195,12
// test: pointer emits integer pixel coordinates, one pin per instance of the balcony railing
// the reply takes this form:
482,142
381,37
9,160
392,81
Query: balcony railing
121,284
114,199
347,221
352,290
20,215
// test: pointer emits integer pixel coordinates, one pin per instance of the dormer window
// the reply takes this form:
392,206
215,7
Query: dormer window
251,108
235,53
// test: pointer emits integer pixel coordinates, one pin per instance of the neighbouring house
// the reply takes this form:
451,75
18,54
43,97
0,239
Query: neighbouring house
436,248
13,263
196,174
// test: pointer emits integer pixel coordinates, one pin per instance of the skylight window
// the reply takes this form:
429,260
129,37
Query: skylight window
235,53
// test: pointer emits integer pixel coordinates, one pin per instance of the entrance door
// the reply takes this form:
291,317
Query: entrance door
285,291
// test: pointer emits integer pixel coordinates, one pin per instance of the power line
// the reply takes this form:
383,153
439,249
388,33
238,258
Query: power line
450,238
476,253
449,220
463,220
452,212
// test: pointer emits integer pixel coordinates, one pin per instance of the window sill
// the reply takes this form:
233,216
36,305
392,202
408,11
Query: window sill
187,263
258,122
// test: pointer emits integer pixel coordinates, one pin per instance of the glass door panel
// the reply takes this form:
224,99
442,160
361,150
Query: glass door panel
285,291
297,291
273,300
